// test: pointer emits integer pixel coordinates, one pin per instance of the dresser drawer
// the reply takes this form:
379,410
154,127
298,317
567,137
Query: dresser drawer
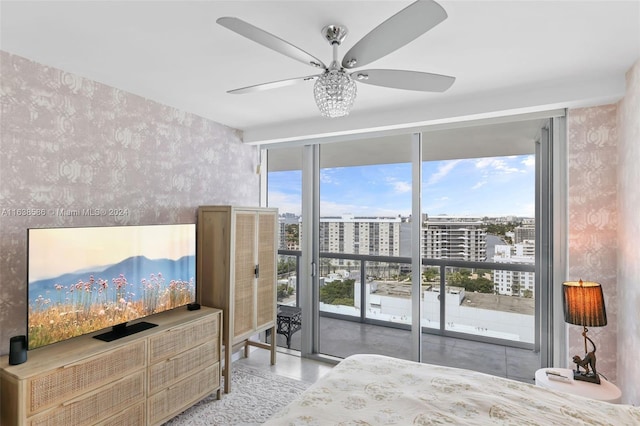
98,405
84,381
165,373
133,416
65,383
174,399
176,340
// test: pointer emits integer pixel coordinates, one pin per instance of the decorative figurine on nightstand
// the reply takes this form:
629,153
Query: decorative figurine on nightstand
588,361
584,305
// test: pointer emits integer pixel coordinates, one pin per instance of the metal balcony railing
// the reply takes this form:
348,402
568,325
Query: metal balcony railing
370,262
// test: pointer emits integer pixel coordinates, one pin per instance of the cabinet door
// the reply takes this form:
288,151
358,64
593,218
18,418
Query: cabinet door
266,285
214,257
244,297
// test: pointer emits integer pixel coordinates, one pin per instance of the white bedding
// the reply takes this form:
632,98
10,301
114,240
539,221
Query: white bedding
379,390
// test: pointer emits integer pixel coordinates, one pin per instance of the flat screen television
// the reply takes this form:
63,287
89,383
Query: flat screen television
85,279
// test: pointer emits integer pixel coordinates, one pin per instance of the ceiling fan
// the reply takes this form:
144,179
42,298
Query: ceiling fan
335,88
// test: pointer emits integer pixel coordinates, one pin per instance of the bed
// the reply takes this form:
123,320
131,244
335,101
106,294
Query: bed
379,390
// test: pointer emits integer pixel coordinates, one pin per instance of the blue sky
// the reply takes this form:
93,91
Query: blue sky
496,186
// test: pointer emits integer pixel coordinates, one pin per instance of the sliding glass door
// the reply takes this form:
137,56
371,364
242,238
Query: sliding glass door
478,246
477,235
479,224
284,191
364,280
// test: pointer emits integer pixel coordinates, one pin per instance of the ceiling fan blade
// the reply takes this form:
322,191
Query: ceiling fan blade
408,80
400,29
273,85
269,40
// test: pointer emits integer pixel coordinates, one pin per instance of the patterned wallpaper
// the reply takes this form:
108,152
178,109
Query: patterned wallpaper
604,200
592,210
68,143
628,234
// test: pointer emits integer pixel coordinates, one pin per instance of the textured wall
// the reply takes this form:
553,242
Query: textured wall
67,142
592,209
628,233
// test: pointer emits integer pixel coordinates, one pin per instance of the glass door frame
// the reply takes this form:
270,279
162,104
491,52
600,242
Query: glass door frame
550,258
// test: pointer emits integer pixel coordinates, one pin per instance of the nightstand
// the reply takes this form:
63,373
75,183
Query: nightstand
605,391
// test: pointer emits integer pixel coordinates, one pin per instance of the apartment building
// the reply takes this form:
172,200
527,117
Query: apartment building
515,283
288,231
454,237
523,233
360,235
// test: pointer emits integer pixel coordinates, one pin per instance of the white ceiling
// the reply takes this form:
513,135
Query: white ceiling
509,57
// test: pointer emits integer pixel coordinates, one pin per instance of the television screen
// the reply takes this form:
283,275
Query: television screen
85,279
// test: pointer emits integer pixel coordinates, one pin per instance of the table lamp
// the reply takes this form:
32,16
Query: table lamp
584,305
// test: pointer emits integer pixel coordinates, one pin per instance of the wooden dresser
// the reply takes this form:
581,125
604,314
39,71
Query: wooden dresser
143,379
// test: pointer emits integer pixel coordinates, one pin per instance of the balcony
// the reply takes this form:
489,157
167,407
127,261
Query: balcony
341,338
379,319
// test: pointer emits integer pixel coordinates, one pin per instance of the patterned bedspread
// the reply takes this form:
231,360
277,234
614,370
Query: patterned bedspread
379,390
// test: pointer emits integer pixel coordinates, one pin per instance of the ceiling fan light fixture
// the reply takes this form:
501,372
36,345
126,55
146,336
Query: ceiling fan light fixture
335,93
335,89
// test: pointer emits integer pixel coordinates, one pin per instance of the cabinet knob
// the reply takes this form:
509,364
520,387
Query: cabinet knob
256,271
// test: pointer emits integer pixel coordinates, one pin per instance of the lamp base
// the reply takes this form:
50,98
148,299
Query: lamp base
590,377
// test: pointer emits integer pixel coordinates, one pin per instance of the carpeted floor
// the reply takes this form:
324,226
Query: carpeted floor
255,396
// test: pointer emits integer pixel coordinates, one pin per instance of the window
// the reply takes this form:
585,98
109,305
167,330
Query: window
478,232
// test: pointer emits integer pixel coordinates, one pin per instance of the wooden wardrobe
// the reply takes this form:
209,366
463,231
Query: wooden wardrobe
236,272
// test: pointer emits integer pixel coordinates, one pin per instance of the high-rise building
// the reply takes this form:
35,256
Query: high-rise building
524,232
360,235
515,283
454,237
288,223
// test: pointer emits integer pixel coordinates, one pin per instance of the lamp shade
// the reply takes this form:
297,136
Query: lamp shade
584,304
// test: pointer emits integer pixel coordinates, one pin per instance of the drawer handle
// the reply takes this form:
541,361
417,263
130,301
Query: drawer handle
79,398
74,364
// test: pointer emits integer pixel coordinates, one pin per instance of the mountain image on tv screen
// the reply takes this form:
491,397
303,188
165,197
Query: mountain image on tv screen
85,279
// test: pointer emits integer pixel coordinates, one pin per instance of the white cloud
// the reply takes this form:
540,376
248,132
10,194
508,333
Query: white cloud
330,208
285,203
326,179
528,210
529,161
327,176
333,208
479,184
442,172
496,164
483,162
402,187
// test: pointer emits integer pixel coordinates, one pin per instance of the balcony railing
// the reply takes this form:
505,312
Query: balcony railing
502,319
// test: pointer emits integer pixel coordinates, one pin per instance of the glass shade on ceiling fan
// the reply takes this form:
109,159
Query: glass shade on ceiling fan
335,93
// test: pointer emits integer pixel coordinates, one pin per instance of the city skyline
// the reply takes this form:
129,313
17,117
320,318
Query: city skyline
490,186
